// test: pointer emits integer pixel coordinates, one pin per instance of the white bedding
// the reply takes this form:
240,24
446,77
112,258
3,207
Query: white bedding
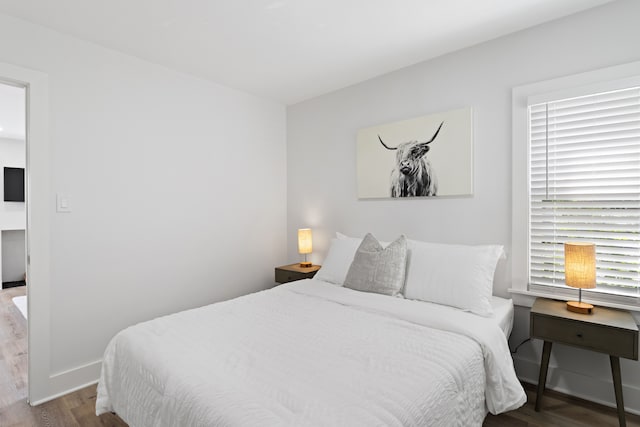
503,314
310,353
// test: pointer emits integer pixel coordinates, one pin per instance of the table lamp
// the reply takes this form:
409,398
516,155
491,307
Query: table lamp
305,245
580,272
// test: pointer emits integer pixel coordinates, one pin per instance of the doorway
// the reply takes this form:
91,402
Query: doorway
13,255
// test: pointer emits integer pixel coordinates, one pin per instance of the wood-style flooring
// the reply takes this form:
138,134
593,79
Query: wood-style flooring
77,409
559,410
73,410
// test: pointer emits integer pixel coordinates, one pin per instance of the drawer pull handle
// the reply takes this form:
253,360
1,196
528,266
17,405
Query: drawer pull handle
579,335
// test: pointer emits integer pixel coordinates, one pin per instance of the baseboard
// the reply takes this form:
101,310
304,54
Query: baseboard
579,385
66,382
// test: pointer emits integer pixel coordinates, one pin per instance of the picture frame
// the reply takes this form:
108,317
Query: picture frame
424,157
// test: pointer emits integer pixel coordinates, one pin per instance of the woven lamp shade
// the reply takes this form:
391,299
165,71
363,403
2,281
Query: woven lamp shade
580,265
305,245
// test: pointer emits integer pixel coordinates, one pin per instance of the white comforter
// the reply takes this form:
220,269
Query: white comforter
310,353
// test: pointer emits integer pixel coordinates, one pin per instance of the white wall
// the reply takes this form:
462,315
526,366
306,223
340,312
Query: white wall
174,183
13,255
12,154
321,136
12,215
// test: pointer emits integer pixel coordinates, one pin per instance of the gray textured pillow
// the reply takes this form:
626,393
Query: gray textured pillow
378,269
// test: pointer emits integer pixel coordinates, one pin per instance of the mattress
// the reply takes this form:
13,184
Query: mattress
503,313
310,353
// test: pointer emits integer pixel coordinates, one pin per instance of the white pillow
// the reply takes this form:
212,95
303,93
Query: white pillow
337,262
456,275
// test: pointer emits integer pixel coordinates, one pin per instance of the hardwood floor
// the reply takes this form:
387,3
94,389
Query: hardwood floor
73,410
77,409
559,410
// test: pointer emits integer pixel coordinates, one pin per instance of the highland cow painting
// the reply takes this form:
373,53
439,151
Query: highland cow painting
429,156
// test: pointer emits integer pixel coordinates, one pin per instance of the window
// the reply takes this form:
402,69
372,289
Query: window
584,176
576,177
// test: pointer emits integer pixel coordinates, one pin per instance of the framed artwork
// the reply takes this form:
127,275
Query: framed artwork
429,156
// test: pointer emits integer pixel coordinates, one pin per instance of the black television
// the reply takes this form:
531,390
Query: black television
13,184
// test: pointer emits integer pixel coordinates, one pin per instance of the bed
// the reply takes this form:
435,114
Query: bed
315,353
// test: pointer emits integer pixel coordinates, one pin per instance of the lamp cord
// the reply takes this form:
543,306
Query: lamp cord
520,345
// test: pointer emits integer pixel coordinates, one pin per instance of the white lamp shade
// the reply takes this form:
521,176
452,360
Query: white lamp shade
305,245
580,265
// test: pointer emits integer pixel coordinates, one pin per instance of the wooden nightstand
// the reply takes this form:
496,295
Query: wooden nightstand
609,331
291,272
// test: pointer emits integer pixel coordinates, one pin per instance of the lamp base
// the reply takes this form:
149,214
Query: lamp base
580,307
305,264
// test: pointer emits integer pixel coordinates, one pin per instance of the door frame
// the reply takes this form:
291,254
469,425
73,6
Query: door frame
38,203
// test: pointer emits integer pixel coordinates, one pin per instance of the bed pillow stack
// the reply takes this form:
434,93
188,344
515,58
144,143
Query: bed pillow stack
456,275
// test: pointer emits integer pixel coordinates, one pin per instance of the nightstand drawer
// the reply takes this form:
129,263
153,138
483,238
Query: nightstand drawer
284,276
293,272
604,339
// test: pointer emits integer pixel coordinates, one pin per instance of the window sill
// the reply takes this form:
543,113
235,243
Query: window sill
526,298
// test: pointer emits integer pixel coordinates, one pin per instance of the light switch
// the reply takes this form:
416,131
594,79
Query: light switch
63,204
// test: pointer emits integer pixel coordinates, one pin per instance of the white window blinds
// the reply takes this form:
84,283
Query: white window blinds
585,186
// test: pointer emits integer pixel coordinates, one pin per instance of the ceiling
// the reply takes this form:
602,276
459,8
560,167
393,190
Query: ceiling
289,50
12,112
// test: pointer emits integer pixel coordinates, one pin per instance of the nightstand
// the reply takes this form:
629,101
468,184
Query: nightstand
291,272
609,331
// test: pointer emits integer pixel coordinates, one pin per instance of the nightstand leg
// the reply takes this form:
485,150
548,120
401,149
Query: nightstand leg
617,386
542,379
